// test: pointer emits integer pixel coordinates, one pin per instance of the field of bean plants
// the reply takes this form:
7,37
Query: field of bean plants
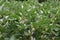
29,20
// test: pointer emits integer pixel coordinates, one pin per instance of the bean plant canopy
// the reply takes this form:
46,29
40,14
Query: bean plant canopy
29,20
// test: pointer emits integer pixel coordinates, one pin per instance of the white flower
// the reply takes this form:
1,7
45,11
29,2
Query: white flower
49,12
41,4
22,6
35,12
6,17
24,24
1,20
33,29
23,21
20,13
34,6
1,6
51,24
28,10
41,11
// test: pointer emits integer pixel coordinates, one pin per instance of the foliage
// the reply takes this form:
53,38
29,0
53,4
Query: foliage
23,20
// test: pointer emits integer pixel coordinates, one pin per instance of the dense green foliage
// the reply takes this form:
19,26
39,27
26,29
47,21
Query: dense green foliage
23,20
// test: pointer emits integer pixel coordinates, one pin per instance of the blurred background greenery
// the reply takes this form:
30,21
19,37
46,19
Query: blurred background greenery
29,20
